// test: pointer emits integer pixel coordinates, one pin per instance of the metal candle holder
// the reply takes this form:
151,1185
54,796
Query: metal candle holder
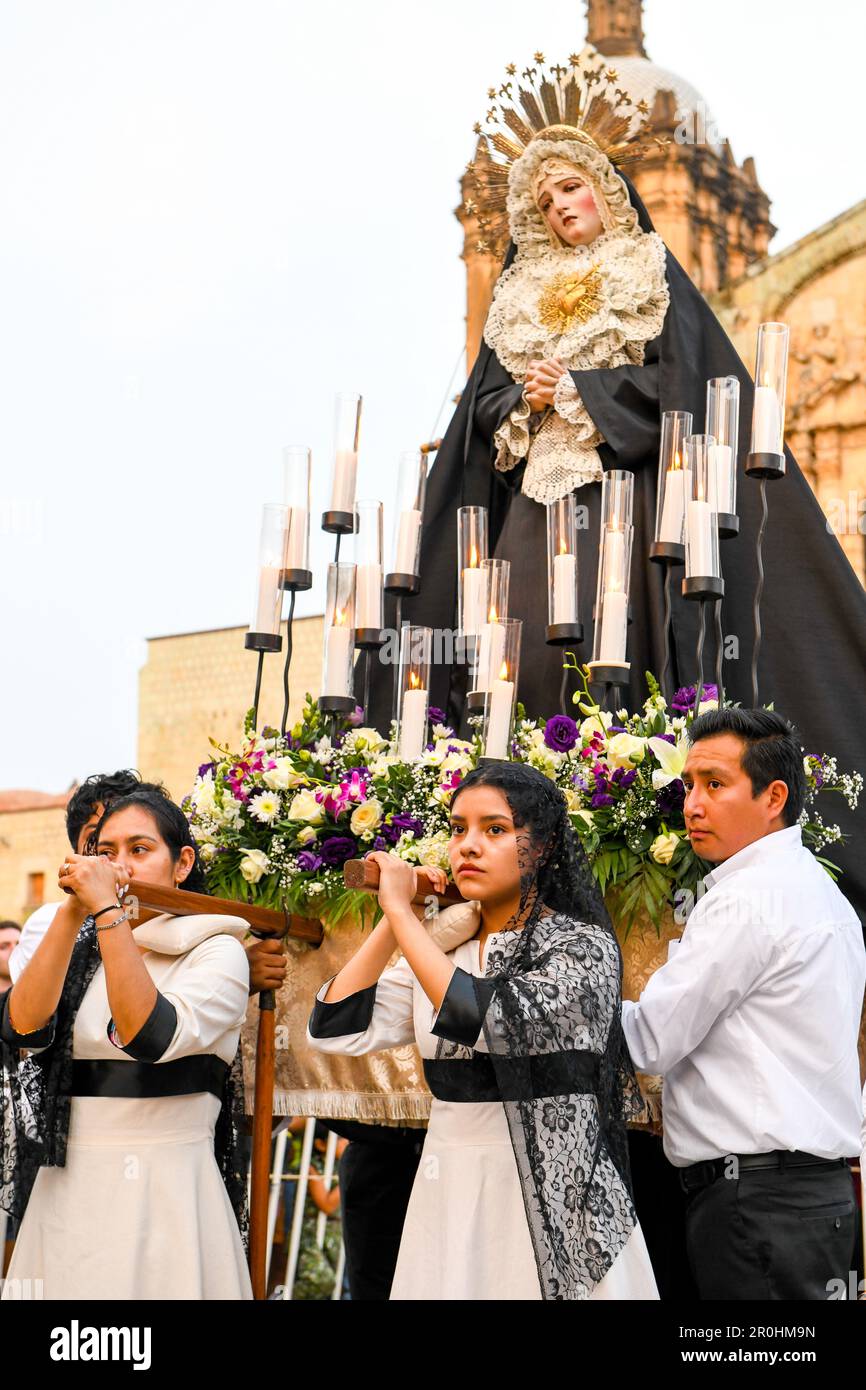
767,452
339,519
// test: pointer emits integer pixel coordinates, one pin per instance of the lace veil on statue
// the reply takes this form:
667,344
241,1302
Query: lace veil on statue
553,978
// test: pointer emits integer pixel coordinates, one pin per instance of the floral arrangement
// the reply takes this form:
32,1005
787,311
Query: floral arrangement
276,821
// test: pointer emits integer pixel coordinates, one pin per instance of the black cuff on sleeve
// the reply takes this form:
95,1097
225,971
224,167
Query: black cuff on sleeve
43,1037
461,1017
352,1015
154,1036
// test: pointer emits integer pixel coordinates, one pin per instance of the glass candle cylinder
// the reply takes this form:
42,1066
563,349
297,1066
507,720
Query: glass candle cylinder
411,492
472,579
369,599
767,452
416,646
614,569
562,562
491,644
347,426
500,697
723,425
267,608
339,635
703,572
296,494
673,487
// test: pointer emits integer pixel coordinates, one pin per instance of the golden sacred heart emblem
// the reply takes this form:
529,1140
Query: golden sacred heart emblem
570,299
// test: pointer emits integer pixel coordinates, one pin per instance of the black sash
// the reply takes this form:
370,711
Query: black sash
187,1076
475,1079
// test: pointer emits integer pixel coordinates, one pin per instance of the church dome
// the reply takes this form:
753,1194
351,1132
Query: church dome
642,79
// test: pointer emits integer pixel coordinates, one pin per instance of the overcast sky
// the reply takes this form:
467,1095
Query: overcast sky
214,214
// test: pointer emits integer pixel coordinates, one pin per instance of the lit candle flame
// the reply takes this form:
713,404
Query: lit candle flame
473,559
563,548
492,616
677,463
503,671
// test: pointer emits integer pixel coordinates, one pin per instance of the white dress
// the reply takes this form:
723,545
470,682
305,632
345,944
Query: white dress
140,1210
466,1235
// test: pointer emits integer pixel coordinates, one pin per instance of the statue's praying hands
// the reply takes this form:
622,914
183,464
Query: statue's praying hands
541,382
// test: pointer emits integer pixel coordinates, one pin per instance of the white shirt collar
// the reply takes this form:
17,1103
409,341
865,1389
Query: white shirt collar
779,842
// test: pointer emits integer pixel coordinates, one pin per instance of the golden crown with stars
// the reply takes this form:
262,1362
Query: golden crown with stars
581,102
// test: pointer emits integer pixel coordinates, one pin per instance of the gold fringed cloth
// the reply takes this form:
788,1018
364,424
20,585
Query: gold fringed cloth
381,1088
644,949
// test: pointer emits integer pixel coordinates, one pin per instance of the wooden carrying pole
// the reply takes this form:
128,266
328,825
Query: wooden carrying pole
364,874
151,901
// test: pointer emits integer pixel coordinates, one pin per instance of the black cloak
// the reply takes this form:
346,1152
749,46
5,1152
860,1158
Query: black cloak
813,652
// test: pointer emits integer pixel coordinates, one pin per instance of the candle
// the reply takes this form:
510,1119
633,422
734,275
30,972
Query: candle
491,651
296,549
343,489
501,699
267,609
337,657
678,486
407,542
413,721
721,477
614,556
766,422
701,523
614,624
474,599
564,576
368,609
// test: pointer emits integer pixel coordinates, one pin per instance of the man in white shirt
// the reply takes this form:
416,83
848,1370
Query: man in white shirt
753,1023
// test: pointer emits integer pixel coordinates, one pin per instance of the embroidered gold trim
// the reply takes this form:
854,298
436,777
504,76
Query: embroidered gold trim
570,299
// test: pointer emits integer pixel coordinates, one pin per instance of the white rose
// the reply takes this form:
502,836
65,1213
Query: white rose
283,776
206,852
624,750
590,727
307,836
662,848
254,865
231,812
306,807
366,817
369,739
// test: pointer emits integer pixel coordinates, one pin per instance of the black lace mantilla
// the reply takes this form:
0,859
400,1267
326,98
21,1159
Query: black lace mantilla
556,971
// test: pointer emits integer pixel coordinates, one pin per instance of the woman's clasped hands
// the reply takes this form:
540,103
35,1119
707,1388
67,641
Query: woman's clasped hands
92,879
398,881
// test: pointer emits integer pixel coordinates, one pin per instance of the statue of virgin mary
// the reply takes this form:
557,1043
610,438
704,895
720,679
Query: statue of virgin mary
595,331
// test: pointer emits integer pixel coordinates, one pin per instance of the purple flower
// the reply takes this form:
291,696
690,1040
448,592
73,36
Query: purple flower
399,823
560,733
380,844
356,718
601,799
309,862
669,801
684,700
206,768
337,850
435,715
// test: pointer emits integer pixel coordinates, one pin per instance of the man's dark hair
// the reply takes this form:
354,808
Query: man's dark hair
99,790
772,752
10,926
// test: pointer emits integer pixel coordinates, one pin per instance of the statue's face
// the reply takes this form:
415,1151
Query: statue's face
569,209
